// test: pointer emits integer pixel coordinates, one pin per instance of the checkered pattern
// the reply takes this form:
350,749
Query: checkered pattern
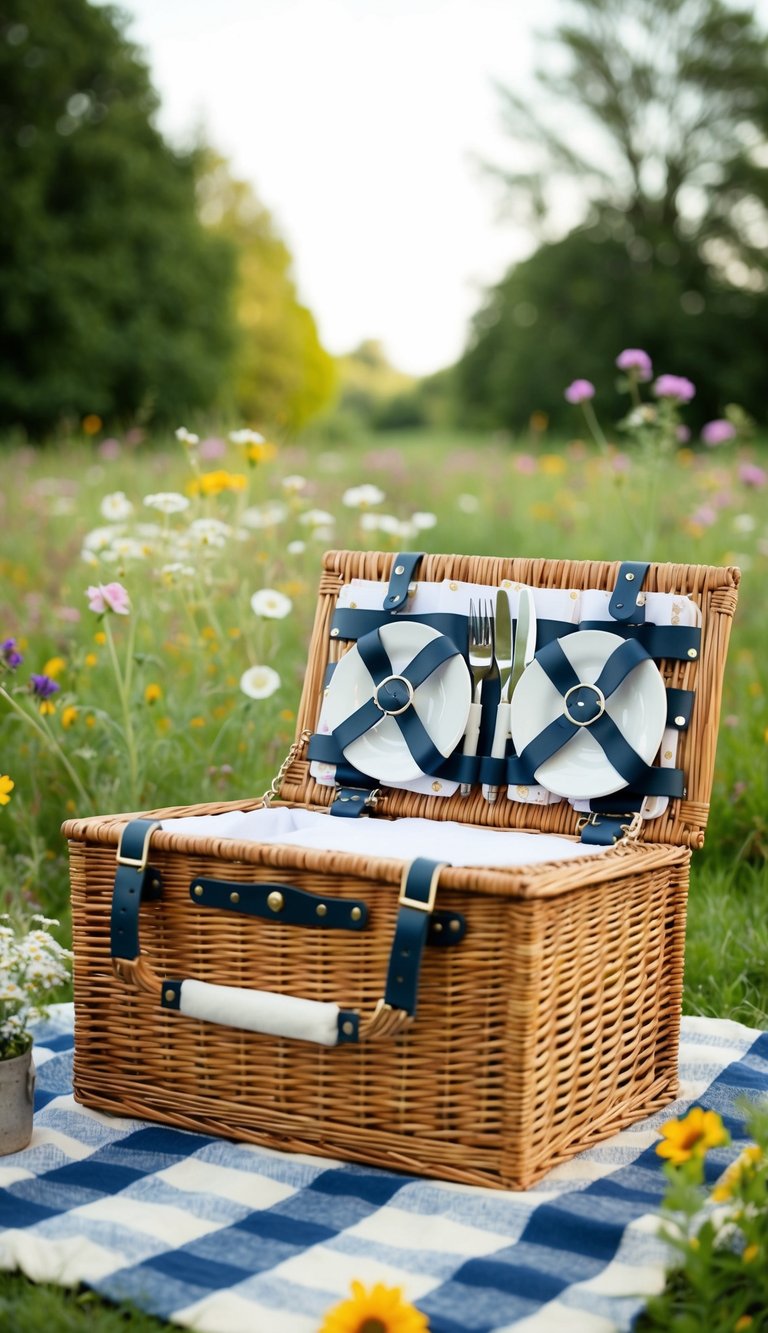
231,1238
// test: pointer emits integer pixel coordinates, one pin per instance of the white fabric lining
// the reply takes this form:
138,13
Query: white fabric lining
401,839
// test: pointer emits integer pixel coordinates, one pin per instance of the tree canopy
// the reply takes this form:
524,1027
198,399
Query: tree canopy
116,298
650,123
281,372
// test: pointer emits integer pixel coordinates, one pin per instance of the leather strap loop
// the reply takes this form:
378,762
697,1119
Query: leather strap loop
416,902
623,605
282,903
404,568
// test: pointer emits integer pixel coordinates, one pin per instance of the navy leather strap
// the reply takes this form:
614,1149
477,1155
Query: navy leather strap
282,903
623,604
677,643
679,708
351,802
415,905
404,568
351,623
136,881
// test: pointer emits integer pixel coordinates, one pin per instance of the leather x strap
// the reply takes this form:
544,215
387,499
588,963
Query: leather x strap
584,708
394,694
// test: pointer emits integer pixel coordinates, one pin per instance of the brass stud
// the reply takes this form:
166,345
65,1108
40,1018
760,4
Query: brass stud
348,1028
455,925
321,909
234,897
155,883
692,652
679,721
629,577
437,926
399,569
275,901
334,634
198,890
170,995
356,913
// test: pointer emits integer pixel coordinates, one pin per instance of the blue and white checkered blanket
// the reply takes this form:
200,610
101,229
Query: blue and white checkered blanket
230,1238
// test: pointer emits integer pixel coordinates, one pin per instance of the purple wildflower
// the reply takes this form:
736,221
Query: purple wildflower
9,655
43,686
635,360
752,475
682,434
718,431
580,391
674,386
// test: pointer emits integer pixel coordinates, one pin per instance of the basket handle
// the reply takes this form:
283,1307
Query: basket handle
325,1023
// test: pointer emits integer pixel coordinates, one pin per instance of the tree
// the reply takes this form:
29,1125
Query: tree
282,374
655,118
114,299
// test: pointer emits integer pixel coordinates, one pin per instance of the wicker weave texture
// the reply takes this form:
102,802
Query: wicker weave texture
552,1025
714,590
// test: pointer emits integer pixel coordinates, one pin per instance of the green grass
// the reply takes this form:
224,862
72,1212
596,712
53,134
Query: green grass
204,740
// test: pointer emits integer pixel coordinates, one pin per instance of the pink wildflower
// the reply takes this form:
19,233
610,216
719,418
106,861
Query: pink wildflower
718,431
752,475
579,391
674,386
526,464
103,597
634,359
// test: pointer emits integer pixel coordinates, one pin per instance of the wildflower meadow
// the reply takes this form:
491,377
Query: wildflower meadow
158,597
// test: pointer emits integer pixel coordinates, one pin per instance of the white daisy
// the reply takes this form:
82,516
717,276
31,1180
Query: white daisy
259,682
116,507
362,497
167,502
270,603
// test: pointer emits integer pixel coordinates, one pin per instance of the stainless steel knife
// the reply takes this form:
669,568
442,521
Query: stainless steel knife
503,628
525,647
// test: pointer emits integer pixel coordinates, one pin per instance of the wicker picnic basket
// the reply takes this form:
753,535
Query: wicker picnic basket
549,993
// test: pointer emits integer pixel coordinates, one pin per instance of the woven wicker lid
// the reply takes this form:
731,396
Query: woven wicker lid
713,589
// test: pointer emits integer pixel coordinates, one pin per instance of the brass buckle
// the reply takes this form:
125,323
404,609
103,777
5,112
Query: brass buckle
141,863
404,901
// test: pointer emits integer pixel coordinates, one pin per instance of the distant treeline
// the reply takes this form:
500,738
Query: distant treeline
140,284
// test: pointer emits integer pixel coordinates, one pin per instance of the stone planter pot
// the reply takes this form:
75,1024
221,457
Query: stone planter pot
17,1095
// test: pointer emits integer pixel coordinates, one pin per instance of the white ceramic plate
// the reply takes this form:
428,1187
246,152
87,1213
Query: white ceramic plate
442,703
638,707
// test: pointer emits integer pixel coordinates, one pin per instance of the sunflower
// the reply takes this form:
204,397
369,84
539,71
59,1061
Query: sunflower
378,1310
693,1136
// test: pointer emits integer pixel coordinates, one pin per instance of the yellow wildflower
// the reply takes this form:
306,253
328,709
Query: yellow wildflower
6,787
234,632
68,716
92,424
197,722
287,715
750,1253
542,511
752,1156
378,1310
152,693
91,659
552,465
693,1136
260,453
90,721
47,707
213,483
100,637
163,725
54,667
743,1322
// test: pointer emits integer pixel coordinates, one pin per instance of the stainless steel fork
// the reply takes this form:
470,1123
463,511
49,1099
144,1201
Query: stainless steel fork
482,662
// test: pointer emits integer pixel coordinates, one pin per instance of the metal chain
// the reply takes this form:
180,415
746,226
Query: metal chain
274,787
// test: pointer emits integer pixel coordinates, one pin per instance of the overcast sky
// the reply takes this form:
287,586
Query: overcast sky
356,121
